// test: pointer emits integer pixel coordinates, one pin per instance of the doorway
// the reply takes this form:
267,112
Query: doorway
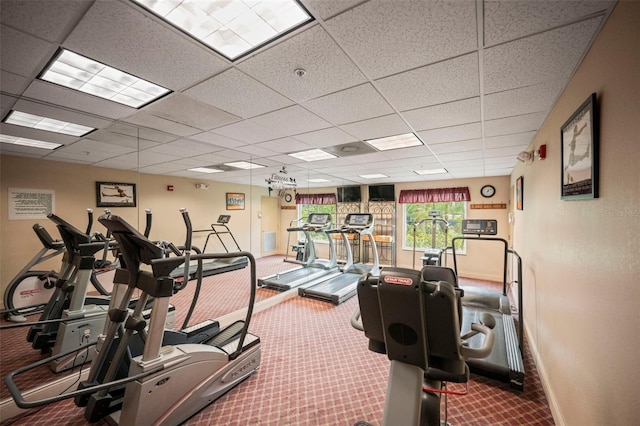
270,221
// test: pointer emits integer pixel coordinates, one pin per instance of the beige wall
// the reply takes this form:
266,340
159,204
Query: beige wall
582,266
74,187
481,261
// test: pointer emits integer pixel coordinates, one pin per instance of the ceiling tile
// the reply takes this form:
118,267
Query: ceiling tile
255,151
23,151
460,156
518,139
439,83
451,134
327,68
505,151
141,133
451,147
389,125
141,118
115,138
92,151
325,137
182,109
28,54
327,8
349,105
13,83
184,148
284,145
55,94
517,124
290,121
45,19
119,34
237,93
537,98
37,134
148,158
420,153
552,55
64,114
126,162
213,139
508,20
385,39
248,132
444,115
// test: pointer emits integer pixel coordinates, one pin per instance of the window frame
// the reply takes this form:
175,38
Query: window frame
428,206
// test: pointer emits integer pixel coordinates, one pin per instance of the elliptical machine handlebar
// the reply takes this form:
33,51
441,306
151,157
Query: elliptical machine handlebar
487,345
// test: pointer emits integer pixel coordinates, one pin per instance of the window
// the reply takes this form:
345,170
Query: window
453,212
303,213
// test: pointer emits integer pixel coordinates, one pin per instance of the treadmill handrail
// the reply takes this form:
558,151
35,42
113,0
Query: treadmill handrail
507,251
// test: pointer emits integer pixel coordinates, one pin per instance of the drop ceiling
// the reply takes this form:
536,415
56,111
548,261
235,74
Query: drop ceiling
473,80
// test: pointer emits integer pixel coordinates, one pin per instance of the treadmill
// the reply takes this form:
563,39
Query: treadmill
505,361
216,266
313,269
343,285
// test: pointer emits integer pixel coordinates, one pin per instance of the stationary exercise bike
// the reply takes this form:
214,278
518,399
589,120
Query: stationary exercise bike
417,324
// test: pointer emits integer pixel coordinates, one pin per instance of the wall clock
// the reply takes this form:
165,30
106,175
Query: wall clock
488,191
287,197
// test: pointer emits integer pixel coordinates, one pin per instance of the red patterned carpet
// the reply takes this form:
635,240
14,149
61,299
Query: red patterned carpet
316,369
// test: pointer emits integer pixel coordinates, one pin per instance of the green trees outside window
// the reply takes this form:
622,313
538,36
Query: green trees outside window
452,212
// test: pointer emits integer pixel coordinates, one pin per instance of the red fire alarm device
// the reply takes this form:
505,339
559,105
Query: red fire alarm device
169,188
542,152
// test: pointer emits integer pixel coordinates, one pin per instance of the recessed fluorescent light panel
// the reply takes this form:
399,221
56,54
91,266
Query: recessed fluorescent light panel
318,180
395,142
233,28
28,142
374,176
244,165
312,155
205,170
49,124
430,171
86,75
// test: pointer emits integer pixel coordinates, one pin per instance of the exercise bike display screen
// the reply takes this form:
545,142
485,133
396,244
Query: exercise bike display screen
224,218
480,226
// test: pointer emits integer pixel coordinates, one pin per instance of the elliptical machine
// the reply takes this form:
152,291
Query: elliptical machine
417,324
163,383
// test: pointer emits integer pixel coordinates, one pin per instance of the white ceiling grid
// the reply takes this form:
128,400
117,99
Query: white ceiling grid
373,68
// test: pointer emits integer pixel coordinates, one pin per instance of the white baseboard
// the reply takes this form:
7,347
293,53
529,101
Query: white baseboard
544,379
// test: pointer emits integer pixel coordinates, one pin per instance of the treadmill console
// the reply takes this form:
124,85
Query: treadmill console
358,220
319,219
224,218
480,226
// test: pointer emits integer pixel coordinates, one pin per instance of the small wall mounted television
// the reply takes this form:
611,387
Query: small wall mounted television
349,194
382,193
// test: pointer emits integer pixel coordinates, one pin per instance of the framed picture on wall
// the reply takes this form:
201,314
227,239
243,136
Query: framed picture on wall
114,194
579,136
235,201
519,193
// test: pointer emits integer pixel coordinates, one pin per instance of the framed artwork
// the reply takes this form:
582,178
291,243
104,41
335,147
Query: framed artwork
579,136
114,194
235,201
519,193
